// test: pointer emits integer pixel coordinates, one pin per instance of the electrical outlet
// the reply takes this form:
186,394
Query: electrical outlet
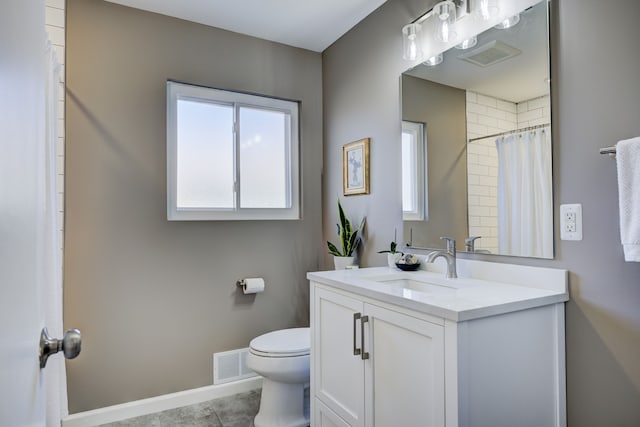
571,222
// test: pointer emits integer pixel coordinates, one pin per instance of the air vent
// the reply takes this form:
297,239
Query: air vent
231,366
490,53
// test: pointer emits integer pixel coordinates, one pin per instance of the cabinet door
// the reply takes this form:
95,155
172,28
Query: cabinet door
404,374
338,373
325,417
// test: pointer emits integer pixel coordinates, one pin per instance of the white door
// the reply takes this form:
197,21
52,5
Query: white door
22,117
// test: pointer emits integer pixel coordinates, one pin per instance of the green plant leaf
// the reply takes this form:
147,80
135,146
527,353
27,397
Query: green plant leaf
333,250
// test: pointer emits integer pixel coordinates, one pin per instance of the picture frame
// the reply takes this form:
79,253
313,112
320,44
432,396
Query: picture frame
355,167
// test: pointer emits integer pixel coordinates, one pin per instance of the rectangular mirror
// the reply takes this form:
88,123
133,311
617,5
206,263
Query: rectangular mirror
486,112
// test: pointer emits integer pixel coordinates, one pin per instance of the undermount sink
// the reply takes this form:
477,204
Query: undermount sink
414,284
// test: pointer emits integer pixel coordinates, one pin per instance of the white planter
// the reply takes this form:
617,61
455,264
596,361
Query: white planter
392,259
341,262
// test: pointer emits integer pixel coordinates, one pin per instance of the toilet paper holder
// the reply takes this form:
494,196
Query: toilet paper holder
251,285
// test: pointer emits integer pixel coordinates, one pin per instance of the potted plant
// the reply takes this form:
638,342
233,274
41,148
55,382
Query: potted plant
349,240
393,255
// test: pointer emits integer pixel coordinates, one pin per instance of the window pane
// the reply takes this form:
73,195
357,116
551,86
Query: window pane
205,155
409,172
264,165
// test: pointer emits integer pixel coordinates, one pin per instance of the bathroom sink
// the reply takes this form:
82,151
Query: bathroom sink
414,284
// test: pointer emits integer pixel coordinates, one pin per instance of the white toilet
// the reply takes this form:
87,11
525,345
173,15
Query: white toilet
282,358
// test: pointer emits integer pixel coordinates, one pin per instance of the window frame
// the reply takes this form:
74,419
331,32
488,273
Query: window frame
182,91
417,131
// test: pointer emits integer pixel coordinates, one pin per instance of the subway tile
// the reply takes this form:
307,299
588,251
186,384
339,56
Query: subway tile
54,16
496,113
531,114
471,97
536,103
58,4
487,100
478,190
56,35
487,201
472,117
476,128
476,108
522,107
489,181
488,121
506,106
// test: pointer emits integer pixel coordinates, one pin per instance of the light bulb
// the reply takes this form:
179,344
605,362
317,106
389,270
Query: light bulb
468,43
487,9
445,12
411,42
509,22
434,60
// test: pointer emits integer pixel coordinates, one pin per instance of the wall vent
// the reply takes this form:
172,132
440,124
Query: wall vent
490,53
231,366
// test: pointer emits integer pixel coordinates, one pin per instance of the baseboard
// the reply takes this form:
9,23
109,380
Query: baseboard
138,408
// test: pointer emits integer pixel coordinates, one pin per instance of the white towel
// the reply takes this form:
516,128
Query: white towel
628,163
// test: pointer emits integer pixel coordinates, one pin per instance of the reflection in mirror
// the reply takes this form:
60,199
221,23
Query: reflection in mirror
487,112
414,163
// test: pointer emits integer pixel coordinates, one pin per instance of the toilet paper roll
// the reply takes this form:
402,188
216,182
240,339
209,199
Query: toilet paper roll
252,285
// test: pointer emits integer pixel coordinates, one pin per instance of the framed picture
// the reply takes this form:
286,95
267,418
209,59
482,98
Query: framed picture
355,167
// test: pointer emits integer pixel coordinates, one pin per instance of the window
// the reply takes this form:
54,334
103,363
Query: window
231,156
414,172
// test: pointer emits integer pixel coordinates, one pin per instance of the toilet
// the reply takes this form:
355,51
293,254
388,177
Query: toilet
282,359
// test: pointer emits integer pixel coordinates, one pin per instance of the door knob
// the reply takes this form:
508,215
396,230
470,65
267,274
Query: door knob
70,345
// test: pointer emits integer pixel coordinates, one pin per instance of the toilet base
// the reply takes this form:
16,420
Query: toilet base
281,405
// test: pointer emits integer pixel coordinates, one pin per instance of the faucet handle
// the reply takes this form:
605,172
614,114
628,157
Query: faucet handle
451,244
471,239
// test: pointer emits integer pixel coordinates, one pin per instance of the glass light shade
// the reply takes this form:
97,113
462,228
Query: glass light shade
445,16
468,43
486,9
411,42
509,22
434,60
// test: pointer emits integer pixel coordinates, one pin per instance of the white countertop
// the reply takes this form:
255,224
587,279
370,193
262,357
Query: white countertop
460,299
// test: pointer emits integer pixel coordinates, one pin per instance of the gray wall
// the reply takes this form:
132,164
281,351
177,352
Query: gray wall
596,101
446,127
154,299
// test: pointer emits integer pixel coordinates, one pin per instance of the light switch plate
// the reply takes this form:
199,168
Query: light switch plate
571,222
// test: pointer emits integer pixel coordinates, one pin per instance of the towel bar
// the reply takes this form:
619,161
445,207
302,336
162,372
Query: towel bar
608,150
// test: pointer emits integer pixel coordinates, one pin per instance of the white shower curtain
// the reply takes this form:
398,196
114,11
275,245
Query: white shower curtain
525,214
55,374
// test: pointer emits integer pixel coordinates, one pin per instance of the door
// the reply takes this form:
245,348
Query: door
404,375
338,372
22,117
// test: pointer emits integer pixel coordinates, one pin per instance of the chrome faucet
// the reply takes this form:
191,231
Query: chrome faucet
449,254
469,243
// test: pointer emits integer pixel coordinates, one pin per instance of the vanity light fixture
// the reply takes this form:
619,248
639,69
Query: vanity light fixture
411,42
445,13
468,43
434,60
486,9
512,21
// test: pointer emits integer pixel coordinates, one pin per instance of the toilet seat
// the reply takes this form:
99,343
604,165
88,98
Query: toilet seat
283,343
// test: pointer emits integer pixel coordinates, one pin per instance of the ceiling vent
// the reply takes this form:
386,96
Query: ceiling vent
490,53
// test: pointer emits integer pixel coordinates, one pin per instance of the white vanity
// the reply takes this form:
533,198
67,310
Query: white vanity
403,349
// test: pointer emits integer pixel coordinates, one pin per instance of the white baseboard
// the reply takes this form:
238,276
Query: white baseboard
159,403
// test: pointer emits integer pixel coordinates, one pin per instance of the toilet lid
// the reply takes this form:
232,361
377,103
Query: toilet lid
285,342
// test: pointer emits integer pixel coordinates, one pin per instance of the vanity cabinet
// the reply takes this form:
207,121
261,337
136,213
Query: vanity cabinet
380,359
375,363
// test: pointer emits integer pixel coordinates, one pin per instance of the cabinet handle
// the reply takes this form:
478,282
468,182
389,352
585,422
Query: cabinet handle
363,320
356,350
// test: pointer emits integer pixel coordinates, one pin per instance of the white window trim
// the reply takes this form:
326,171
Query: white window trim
177,91
421,213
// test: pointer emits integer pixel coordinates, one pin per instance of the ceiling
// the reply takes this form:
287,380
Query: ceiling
308,24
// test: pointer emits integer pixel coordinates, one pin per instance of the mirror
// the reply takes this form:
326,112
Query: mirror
486,115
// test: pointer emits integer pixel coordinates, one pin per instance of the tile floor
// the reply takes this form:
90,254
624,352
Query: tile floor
232,411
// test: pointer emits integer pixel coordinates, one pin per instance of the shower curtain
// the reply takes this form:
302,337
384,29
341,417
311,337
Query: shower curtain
525,214
54,375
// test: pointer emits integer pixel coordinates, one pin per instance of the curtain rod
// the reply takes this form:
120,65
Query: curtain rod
510,131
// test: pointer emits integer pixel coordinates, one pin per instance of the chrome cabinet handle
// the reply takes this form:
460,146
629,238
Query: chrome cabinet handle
356,350
70,345
363,320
